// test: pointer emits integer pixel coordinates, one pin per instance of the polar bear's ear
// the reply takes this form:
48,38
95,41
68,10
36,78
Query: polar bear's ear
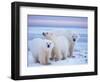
43,33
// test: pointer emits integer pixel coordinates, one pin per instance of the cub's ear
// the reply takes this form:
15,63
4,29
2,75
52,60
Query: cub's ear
43,34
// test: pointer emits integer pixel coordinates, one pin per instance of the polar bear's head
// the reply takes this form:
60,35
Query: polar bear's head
48,35
49,44
75,37
72,36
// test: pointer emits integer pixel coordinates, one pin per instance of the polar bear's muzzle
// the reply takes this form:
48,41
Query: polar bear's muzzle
74,39
48,45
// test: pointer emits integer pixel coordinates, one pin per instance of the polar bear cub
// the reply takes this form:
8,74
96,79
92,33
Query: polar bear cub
61,45
41,50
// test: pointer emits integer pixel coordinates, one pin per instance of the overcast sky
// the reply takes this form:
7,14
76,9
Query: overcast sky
57,21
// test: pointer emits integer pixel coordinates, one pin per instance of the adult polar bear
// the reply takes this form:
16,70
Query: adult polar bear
60,50
41,50
71,36
64,42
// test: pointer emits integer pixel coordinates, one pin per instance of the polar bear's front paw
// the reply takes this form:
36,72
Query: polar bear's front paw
51,58
45,63
71,56
49,63
63,58
56,59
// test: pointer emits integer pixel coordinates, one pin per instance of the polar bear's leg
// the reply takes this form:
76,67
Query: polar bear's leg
43,61
44,58
65,54
41,58
70,52
52,55
57,54
47,59
47,56
71,49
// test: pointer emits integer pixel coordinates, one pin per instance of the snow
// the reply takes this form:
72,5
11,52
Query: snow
80,57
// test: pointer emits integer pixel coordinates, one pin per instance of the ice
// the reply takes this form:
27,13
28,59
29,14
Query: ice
80,58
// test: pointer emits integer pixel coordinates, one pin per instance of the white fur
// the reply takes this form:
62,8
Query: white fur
39,49
61,45
70,35
63,41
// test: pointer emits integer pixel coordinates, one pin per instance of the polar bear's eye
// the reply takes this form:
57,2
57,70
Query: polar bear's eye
72,36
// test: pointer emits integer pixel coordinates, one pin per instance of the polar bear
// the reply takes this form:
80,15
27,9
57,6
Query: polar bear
41,50
71,36
61,44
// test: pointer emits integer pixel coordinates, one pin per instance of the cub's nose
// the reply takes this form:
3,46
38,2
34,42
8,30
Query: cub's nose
48,46
74,39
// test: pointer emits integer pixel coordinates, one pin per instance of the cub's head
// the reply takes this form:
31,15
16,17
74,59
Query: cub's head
49,44
48,35
73,36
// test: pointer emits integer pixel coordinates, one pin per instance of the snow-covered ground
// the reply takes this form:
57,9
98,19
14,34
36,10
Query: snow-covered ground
80,51
80,58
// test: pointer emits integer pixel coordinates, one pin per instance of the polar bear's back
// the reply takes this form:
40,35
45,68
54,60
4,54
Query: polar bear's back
62,42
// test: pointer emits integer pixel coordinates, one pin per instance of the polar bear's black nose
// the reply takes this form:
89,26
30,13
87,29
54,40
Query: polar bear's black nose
48,46
74,39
